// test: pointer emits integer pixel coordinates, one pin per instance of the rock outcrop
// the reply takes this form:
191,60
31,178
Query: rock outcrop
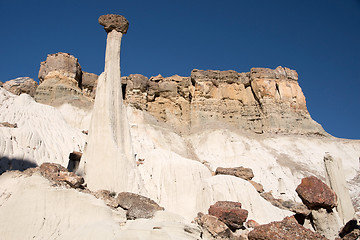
241,172
58,174
287,229
336,180
60,79
21,85
108,161
229,213
89,83
137,206
315,194
262,100
213,228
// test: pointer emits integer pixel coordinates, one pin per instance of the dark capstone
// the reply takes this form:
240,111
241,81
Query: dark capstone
113,21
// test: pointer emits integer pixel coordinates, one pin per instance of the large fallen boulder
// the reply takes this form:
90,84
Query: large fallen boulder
137,206
213,227
59,174
287,229
315,194
229,213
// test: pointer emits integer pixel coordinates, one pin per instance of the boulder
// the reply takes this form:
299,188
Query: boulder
59,175
287,229
21,85
315,194
114,22
251,223
241,172
229,213
137,206
213,227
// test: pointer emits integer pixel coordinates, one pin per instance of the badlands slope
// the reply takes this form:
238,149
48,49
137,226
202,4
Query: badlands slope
176,171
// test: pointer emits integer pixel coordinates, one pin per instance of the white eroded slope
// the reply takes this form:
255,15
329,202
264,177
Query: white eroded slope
30,208
42,134
275,160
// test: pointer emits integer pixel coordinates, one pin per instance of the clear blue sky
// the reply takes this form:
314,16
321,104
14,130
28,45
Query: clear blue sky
318,38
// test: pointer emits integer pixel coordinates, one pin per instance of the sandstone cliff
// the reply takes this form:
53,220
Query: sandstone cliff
262,100
60,78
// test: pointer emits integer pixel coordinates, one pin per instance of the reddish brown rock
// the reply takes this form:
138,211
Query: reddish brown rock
287,229
241,172
251,224
137,206
213,226
59,174
315,194
229,213
113,21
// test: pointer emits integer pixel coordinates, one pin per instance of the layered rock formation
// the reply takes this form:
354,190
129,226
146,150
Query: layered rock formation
262,100
108,161
60,78
21,85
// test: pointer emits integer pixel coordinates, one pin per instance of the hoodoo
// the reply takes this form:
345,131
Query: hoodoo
108,160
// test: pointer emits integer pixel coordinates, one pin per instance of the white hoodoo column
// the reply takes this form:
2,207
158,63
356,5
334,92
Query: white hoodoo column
108,161
336,180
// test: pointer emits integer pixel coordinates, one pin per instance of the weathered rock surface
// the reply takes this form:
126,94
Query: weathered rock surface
59,174
108,161
241,172
262,100
316,194
108,197
21,85
41,134
336,180
137,206
113,21
287,229
326,223
229,213
213,227
61,82
89,83
290,205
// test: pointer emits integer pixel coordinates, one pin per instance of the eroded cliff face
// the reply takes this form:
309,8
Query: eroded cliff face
262,100
60,79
